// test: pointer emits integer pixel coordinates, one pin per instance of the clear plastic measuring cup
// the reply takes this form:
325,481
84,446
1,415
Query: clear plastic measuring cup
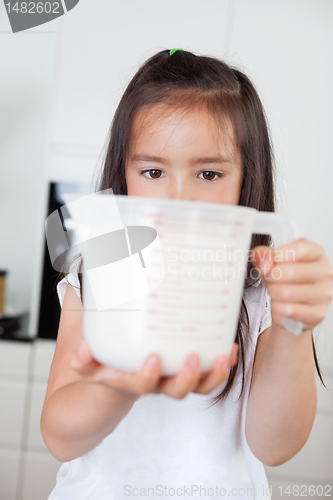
165,275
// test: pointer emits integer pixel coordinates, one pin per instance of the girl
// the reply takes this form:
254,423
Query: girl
192,128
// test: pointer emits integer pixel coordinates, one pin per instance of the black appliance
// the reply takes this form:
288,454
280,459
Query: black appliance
49,306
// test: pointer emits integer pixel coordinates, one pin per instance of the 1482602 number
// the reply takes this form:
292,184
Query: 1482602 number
306,491
34,8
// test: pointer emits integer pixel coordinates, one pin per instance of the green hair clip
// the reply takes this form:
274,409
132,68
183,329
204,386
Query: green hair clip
172,51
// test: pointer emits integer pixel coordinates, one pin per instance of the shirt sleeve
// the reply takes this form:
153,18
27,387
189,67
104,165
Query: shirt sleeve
71,279
266,317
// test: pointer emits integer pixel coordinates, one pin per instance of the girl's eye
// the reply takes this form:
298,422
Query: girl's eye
211,173
155,174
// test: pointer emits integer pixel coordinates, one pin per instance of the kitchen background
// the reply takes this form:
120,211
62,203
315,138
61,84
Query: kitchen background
59,87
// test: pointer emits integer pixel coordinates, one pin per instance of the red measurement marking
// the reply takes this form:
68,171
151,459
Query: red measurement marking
187,218
196,233
238,223
196,322
166,314
185,290
190,306
169,336
193,246
154,214
210,265
189,329
224,278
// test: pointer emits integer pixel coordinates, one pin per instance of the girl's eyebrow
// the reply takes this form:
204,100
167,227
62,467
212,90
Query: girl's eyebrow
196,161
155,159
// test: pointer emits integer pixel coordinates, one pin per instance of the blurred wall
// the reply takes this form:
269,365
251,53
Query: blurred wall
26,76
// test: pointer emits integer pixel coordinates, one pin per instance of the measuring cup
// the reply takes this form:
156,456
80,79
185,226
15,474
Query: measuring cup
165,276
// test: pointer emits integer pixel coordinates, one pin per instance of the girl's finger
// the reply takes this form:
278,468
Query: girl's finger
185,381
142,382
298,272
149,376
82,360
219,372
303,293
137,383
309,315
215,377
93,371
299,250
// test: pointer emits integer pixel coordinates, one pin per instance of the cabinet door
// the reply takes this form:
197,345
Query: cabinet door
9,469
39,476
14,361
12,397
34,440
41,467
44,350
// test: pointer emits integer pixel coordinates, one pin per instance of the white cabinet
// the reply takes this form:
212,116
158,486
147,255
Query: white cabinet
43,355
12,397
27,469
39,475
14,359
34,437
9,469
14,363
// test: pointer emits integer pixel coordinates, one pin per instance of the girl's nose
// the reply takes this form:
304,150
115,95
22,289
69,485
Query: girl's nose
180,190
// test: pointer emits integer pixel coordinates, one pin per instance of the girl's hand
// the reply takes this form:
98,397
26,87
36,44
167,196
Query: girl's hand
298,278
149,378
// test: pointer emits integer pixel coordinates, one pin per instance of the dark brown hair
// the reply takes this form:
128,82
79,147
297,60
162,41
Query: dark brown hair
183,81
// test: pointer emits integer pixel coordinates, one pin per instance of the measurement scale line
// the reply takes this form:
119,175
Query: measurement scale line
184,244
194,306
176,217
181,231
197,264
206,292
166,336
178,320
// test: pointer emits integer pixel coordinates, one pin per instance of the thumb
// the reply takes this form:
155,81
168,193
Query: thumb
82,359
262,257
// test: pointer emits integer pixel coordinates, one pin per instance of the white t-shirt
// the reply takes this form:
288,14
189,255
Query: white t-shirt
167,447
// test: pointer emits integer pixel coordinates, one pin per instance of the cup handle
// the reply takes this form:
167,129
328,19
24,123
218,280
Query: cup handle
283,230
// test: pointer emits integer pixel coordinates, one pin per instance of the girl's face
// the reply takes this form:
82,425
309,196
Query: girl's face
183,156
